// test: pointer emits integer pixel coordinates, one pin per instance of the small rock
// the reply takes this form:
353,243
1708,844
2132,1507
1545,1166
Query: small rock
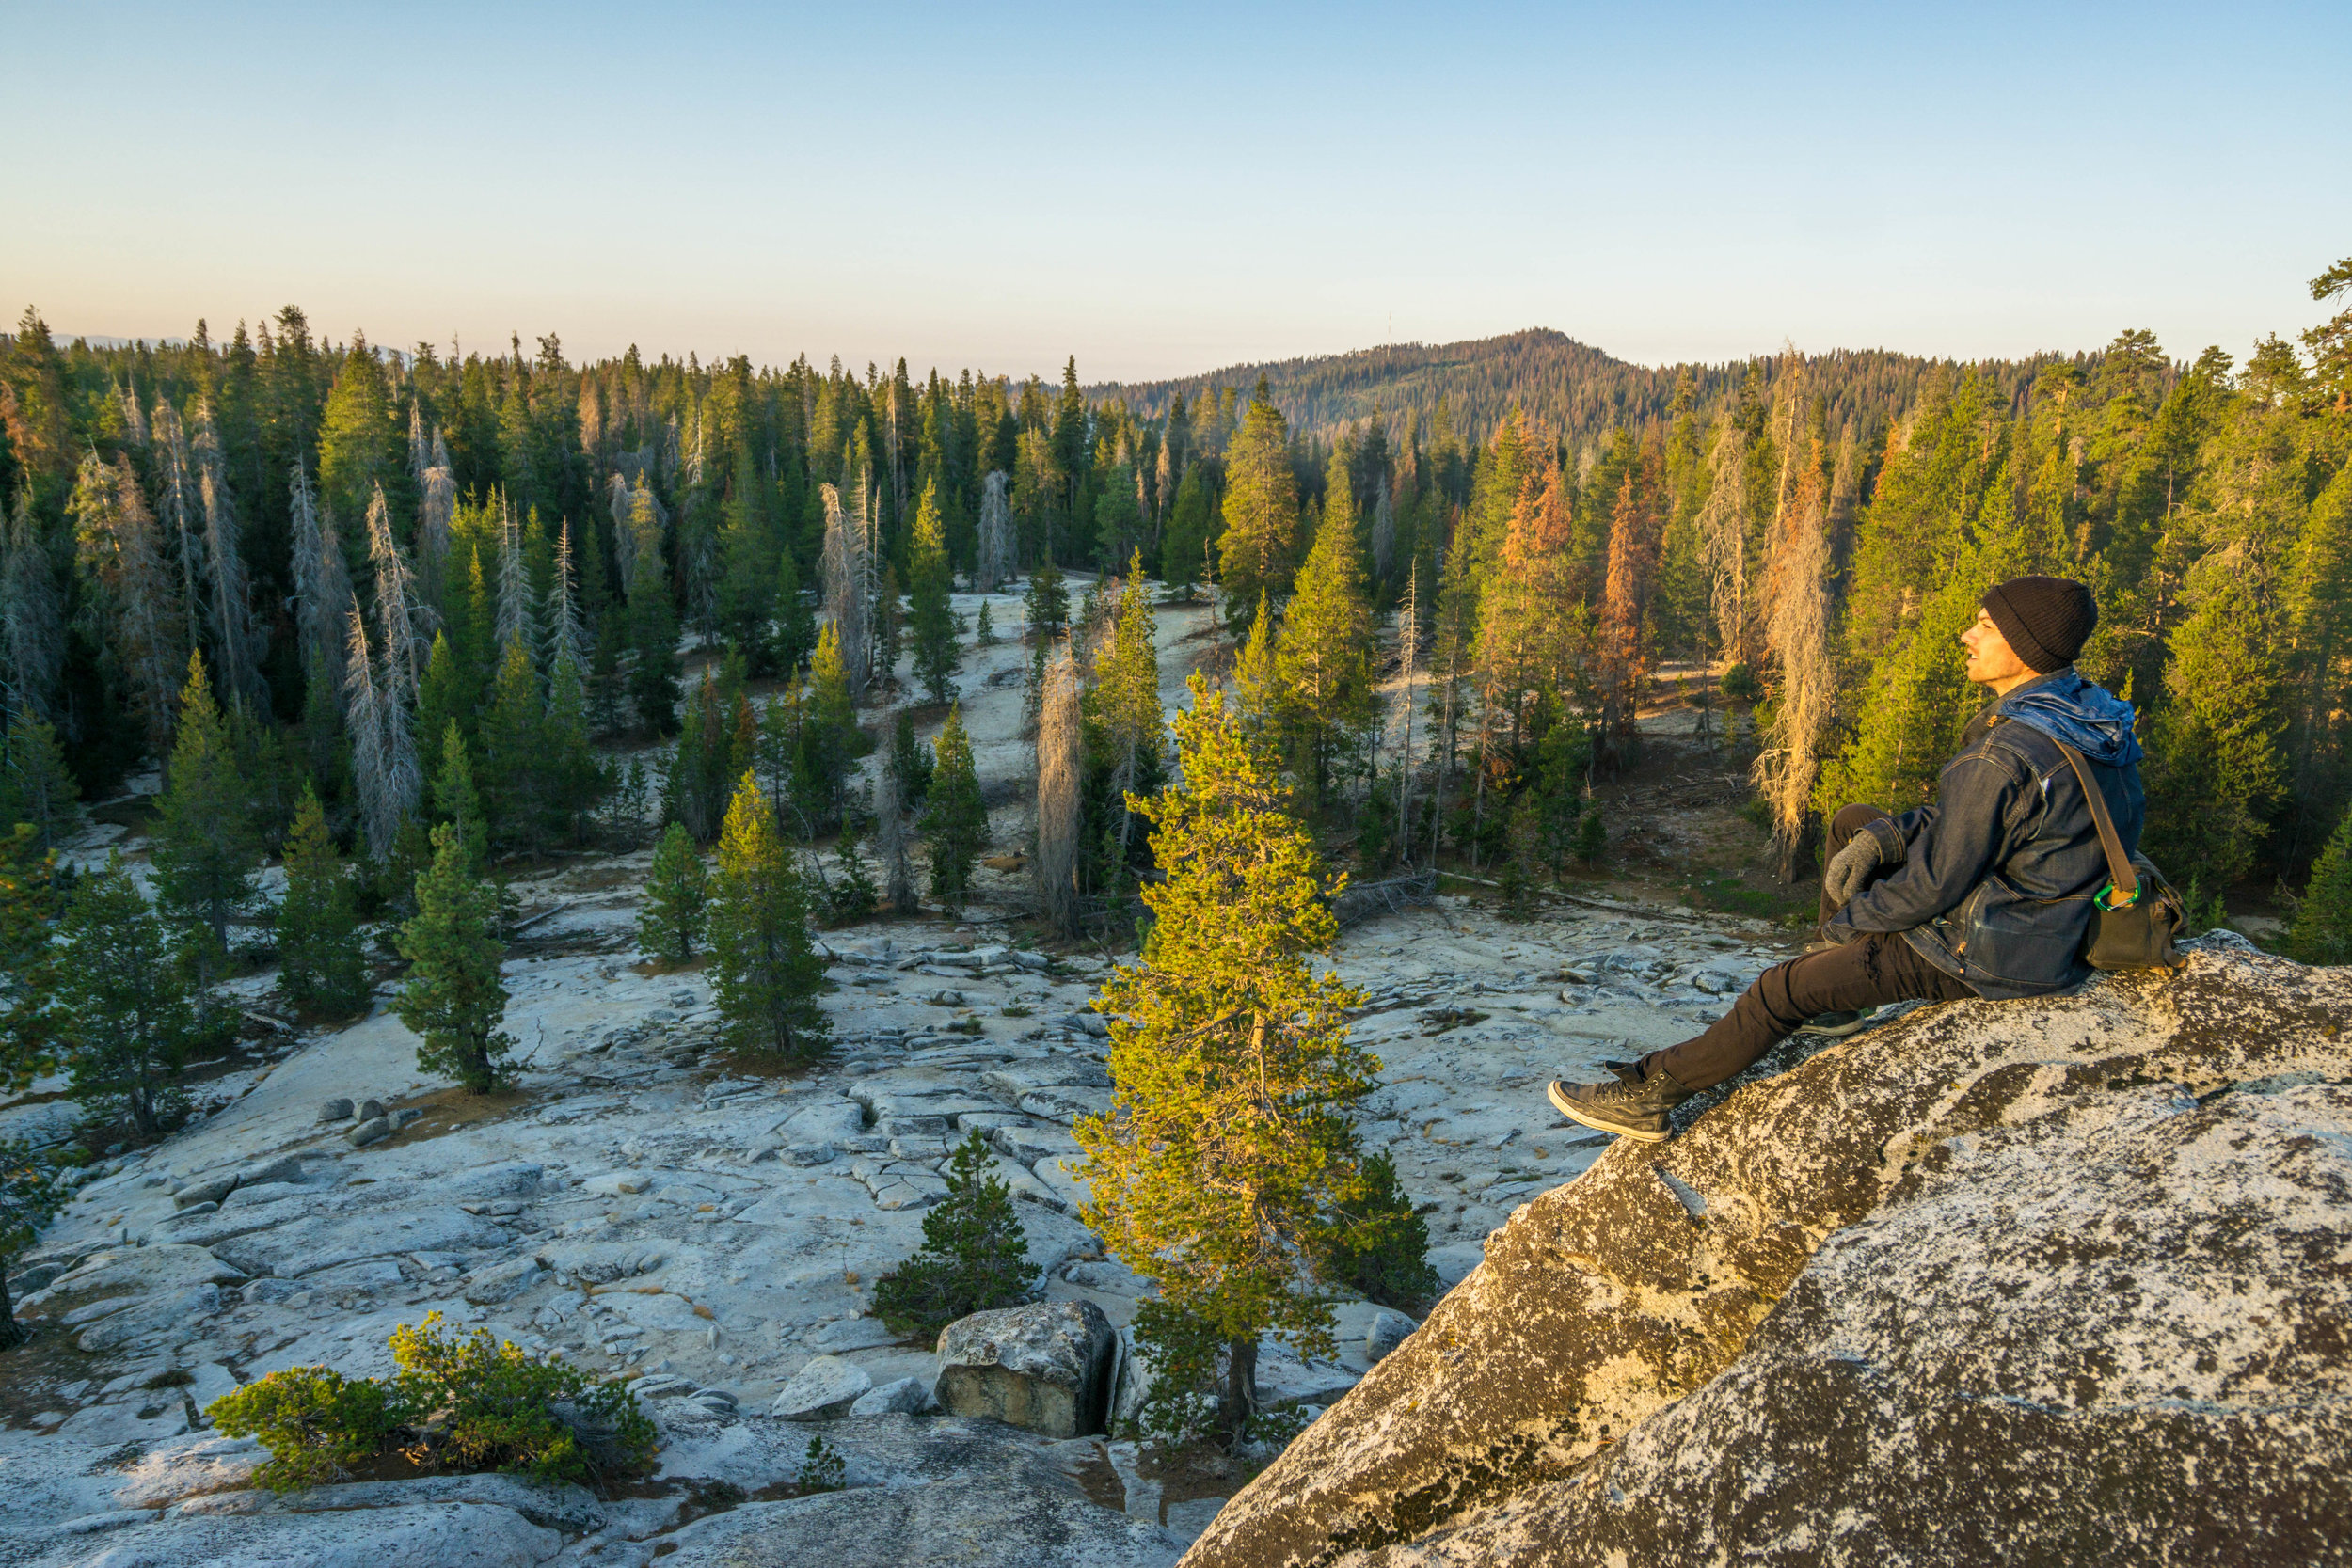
205,1192
374,1130
504,1282
823,1390
945,999
338,1109
809,1154
909,1396
369,1110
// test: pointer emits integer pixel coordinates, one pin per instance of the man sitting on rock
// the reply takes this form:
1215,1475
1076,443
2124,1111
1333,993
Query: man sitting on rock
1987,892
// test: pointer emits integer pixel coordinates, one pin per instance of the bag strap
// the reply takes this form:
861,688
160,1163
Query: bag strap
2119,869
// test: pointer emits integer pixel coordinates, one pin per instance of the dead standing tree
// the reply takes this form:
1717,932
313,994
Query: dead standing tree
1060,768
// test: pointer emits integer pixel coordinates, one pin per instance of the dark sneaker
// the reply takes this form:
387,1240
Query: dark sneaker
1633,1107
1836,1025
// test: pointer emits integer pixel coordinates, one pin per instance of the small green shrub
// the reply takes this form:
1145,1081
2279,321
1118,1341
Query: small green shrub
501,1410
317,1424
974,1256
1741,685
821,1469
482,1405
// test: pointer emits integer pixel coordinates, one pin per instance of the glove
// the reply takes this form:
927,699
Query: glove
1851,868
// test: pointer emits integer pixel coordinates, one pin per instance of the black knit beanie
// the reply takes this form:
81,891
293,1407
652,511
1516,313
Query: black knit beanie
2046,620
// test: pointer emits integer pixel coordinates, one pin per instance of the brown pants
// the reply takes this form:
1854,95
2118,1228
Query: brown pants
1866,972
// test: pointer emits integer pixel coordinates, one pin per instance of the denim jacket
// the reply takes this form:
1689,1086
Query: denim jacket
1994,883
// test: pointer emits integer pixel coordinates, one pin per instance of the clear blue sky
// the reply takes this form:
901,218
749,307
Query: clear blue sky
1169,188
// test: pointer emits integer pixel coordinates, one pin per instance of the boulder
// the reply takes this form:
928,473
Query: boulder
337,1109
823,1390
374,1130
1388,1331
1045,1367
909,1396
502,1282
922,1493
1943,1292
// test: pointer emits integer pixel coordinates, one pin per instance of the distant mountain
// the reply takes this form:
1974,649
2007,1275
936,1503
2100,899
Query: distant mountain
1570,388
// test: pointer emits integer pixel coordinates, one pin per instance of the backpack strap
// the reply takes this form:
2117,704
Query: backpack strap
2119,869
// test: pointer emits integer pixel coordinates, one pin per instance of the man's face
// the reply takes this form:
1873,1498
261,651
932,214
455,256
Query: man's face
1990,656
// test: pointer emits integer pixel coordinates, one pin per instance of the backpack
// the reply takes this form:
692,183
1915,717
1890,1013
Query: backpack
2138,915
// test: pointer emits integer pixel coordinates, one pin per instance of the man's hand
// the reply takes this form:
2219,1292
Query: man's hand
1851,868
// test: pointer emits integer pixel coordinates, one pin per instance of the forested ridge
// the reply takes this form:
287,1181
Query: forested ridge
385,567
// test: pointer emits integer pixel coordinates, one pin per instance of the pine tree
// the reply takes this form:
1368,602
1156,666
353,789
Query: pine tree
1256,555
653,672
955,819
2213,769
910,760
1046,605
515,796
446,693
1228,1149
207,856
974,1256
455,995
36,785
796,624
322,967
931,617
1259,697
29,900
126,1020
456,802
32,621
575,780
765,972
1325,654
984,629
29,1198
670,920
1184,546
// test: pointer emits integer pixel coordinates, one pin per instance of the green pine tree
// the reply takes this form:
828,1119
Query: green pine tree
36,785
1046,604
29,1198
930,614
984,629
670,920
974,1256
1325,654
322,968
29,901
2213,771
516,784
2322,932
1185,547
446,691
456,801
455,996
955,820
910,760
126,1019
653,669
1223,1167
765,972
206,855
1257,552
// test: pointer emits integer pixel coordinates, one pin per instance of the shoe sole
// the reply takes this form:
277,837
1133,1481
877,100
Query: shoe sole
1569,1110
1840,1031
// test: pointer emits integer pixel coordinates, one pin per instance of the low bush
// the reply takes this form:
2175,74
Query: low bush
465,1404
317,1424
1381,1247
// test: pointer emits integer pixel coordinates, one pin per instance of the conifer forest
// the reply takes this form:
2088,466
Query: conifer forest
430,590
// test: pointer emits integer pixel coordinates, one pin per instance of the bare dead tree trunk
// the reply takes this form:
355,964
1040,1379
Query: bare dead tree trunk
1060,767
